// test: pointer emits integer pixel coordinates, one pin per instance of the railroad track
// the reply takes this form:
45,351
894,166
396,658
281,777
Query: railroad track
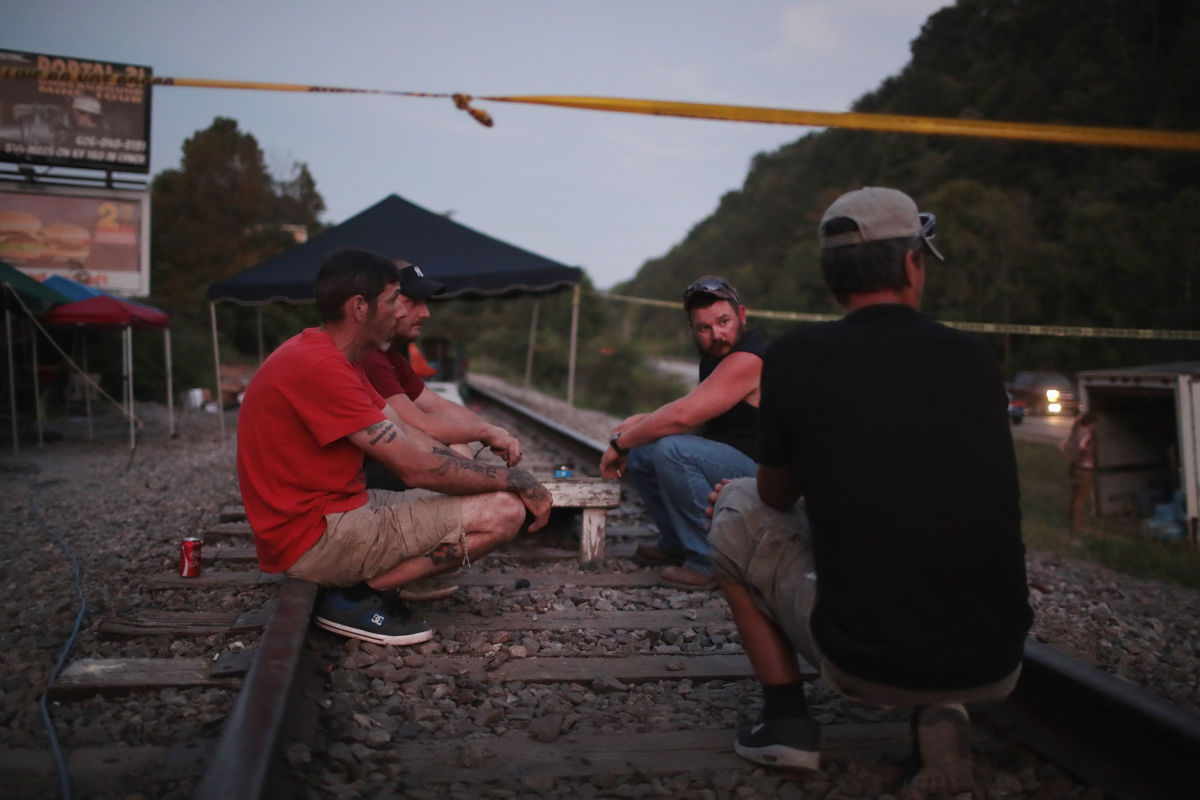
548,677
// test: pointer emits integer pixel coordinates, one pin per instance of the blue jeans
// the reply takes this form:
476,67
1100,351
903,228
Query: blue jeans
674,477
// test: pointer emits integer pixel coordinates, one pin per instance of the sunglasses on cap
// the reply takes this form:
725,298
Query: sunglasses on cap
928,227
717,287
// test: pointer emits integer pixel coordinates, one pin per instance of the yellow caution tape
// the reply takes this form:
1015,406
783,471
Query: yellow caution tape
1027,131
974,327
896,123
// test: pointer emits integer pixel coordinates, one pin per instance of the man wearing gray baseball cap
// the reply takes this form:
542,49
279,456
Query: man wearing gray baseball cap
881,537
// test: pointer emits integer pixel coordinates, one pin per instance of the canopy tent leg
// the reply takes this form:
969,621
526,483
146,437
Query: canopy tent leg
12,378
37,398
212,315
170,384
87,390
127,341
574,341
537,302
258,331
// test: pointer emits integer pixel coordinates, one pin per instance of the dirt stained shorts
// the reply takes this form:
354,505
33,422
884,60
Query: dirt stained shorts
770,552
390,527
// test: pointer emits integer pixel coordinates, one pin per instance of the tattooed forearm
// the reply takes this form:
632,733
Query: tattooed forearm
522,482
452,462
383,431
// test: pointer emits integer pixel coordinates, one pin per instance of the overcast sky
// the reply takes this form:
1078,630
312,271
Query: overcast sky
592,189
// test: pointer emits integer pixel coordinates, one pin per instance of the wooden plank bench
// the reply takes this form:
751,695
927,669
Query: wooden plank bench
595,496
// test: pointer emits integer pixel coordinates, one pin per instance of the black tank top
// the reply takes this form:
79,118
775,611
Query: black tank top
737,427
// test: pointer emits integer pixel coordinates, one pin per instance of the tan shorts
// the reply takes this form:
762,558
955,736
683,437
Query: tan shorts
770,553
391,527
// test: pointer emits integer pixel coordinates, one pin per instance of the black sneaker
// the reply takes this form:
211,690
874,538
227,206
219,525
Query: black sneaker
793,743
377,617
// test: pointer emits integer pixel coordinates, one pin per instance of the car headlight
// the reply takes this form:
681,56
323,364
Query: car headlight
1052,395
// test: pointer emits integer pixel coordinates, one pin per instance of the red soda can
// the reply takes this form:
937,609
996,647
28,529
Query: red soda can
189,557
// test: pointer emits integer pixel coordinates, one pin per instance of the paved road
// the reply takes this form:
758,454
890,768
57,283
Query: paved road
1032,429
1043,429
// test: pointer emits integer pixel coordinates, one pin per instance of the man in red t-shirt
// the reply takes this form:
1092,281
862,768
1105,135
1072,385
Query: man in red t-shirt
308,417
393,376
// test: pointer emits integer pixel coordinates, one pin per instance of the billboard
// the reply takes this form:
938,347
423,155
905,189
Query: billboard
100,237
74,123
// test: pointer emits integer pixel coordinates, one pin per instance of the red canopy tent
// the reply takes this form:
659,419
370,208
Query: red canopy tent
108,311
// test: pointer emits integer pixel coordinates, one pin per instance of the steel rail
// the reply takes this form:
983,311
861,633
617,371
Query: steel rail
1125,740
1122,738
243,758
1128,741
571,440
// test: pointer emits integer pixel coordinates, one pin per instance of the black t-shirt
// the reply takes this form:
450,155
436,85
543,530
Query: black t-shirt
737,427
896,432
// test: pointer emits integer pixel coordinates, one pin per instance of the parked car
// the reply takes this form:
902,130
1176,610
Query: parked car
1016,410
1045,393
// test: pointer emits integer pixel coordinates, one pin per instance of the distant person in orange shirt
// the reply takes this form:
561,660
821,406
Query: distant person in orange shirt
1080,449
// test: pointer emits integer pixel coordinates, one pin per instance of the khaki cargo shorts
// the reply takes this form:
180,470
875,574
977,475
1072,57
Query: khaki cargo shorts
770,552
391,527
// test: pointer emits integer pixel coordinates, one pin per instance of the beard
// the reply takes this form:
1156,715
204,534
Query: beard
721,349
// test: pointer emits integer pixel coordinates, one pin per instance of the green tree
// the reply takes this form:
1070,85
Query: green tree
218,213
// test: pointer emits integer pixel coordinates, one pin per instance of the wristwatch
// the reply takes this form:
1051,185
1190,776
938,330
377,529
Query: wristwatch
615,446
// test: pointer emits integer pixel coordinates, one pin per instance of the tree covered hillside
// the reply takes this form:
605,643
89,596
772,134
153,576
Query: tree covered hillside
1033,233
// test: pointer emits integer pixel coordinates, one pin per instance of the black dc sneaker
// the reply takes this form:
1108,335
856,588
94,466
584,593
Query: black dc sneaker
793,743
378,617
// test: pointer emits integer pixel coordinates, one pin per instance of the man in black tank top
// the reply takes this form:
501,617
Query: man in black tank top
675,454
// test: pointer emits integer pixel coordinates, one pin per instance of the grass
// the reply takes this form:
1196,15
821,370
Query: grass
1113,543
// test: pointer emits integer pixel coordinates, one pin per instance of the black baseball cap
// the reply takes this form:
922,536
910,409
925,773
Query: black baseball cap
414,285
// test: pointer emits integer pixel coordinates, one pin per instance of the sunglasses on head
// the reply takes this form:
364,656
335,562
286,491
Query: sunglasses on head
717,287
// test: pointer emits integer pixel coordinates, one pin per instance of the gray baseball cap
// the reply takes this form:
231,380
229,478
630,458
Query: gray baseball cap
879,213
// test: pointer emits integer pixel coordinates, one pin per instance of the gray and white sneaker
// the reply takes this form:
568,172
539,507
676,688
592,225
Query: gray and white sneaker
793,743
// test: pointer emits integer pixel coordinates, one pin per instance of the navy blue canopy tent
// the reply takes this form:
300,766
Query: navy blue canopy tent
469,263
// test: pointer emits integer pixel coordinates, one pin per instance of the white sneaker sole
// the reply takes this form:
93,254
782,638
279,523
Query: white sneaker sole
778,755
373,638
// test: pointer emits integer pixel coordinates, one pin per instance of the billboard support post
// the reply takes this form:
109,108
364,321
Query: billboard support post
37,395
12,380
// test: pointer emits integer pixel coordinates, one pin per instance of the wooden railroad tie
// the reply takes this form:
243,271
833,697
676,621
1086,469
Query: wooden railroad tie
659,753
109,675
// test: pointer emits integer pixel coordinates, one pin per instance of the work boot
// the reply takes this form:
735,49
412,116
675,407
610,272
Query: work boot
648,555
943,742
687,578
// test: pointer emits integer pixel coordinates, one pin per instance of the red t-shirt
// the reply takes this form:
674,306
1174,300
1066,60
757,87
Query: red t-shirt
391,374
294,462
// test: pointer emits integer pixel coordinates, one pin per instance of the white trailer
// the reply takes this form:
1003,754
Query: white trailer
1147,432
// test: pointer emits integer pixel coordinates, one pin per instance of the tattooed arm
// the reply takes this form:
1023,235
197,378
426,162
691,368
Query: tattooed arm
411,457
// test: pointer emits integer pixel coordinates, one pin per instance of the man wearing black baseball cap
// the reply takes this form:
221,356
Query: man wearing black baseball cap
392,375
881,538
